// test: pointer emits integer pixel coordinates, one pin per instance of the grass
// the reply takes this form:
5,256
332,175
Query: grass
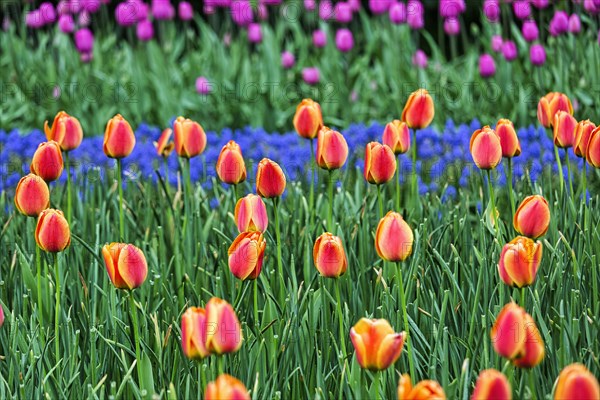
451,282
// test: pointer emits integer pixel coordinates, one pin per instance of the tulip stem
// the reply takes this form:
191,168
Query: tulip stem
38,262
256,321
376,376
560,170
405,313
312,179
569,172
330,210
341,318
278,241
398,186
415,192
69,200
493,200
380,201
220,365
523,297
532,384
120,182
584,184
57,309
166,166
510,186
136,336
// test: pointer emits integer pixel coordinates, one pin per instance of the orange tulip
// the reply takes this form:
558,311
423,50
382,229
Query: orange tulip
47,162
270,180
380,163
424,390
532,218
576,382
393,238
377,345
332,149
593,148
397,136
52,233
226,387
564,129
32,195
223,330
492,385
519,261
533,352
126,265
583,132
66,131
419,110
550,104
190,139
193,333
329,256
246,255
230,164
486,148
509,141
251,214
164,146
308,119
119,139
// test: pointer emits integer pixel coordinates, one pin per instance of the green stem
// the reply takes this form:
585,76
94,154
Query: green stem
69,199
398,185
220,365
136,335
312,180
380,201
560,171
256,321
330,210
279,257
415,191
406,326
234,193
569,172
510,185
38,262
166,166
376,385
532,385
584,183
493,200
522,297
120,182
57,309
340,317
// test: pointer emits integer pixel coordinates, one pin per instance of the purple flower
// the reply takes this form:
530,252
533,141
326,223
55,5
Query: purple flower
497,43
591,6
33,19
126,13
319,38
574,24
84,40
325,10
379,6
522,9
287,60
354,5
162,10
63,7
185,11
491,10
344,40
398,13
241,12
419,59
47,12
311,75
254,33
537,54
540,3
530,30
451,26
66,23
310,5
559,23
487,66
91,6
83,19
414,10
509,50
343,12
145,31
203,86
86,57
452,8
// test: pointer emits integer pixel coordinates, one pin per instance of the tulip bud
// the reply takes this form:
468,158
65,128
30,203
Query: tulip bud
583,132
332,149
119,139
1,316
329,256
164,147
550,104
380,163
47,161
126,265
32,195
66,131
508,138
492,385
593,148
246,255
576,382
393,238
193,333
52,233
223,330
270,180
251,214
564,129
424,390
397,136
533,351
419,110
230,164
532,218
190,139
519,261
308,119
226,387
376,344
485,148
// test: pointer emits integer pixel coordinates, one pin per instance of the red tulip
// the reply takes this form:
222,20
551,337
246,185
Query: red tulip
190,139
66,131
223,330
119,139
492,385
32,195
377,345
519,261
508,138
397,136
308,119
52,233
583,132
226,387
164,146
47,162
419,110
576,382
380,163
332,149
230,164
532,218
550,104
329,256
126,265
193,333
485,148
251,214
270,180
533,352
593,148
394,238
564,129
246,255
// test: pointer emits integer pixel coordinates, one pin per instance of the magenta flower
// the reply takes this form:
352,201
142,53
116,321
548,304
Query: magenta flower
254,33
487,66
319,38
325,10
419,59
559,23
540,3
452,26
203,86
262,11
574,24
354,5
398,13
311,75
144,31
497,43
162,10
185,11
91,6
287,60
126,13
48,13
33,19
66,23
491,10
379,6
522,9
452,8
343,12
530,30
344,40
241,12
537,55
415,18
84,41
310,5
509,50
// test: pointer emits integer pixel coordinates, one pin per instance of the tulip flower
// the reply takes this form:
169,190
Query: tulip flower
246,255
593,148
397,136
119,139
380,163
509,141
66,131
533,351
223,330
308,119
329,256
1,316
424,390
486,148
251,214
576,382
32,195
270,180
519,261
52,233
393,238
226,387
532,217
332,149
164,146
492,385
550,104
376,344
126,265
193,333
230,164
47,161
190,139
419,110
583,132
564,129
